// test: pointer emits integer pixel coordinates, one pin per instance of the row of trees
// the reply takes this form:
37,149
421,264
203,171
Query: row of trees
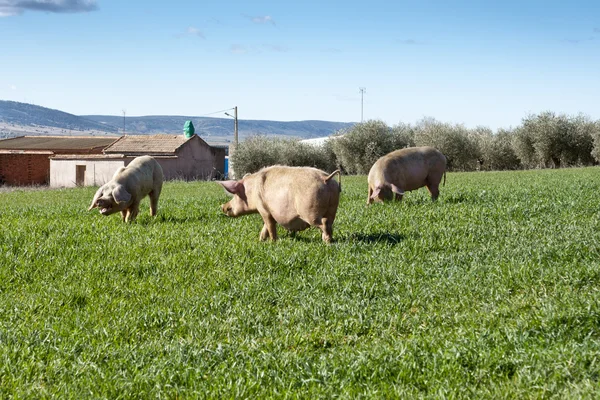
544,140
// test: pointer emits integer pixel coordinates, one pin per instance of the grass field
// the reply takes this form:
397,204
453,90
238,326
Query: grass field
492,292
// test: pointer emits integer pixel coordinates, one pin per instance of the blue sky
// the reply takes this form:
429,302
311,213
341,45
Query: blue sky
472,62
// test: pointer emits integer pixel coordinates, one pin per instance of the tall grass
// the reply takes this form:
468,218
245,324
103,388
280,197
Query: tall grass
490,292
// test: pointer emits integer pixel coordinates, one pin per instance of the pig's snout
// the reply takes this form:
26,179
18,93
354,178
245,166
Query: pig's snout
226,208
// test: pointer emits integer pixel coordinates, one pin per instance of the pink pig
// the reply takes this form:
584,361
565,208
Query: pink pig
294,197
405,170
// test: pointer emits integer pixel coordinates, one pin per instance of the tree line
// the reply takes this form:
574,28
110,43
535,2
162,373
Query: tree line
544,140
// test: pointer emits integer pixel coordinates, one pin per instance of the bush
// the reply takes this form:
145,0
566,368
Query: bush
596,141
359,147
583,140
257,152
456,142
496,150
523,146
542,140
548,139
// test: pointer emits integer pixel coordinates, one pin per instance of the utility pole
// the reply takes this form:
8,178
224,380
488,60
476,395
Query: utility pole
123,121
362,93
235,140
235,127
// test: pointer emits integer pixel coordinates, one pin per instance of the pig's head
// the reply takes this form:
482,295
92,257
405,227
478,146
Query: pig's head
238,205
385,192
111,198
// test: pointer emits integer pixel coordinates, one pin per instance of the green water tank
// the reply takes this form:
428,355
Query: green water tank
188,129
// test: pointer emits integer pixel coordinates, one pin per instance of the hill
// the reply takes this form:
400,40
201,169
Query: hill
221,127
15,113
22,118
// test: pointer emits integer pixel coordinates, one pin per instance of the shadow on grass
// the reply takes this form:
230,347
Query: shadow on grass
377,237
171,219
382,237
458,199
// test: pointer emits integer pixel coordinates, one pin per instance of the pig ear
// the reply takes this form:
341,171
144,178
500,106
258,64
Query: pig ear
96,197
376,192
233,187
397,190
120,194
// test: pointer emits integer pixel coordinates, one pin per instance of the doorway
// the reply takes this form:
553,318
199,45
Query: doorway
80,175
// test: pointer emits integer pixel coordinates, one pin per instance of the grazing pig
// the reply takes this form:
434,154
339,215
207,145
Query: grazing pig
128,186
294,197
405,170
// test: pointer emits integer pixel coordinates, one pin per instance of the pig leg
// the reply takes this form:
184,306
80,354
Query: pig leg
153,202
123,215
327,228
434,190
433,184
132,212
269,228
264,233
369,199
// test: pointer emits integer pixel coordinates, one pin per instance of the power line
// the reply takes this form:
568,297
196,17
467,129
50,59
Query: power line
216,112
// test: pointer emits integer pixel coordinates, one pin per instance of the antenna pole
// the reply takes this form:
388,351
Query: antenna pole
362,93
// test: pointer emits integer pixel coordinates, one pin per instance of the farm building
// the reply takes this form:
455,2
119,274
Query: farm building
25,160
320,141
180,157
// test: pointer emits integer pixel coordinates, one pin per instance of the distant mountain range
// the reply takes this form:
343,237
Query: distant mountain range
22,118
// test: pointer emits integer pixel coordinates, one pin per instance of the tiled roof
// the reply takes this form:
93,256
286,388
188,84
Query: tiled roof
56,142
102,157
87,156
147,144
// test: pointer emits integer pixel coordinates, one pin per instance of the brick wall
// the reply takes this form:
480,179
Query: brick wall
25,169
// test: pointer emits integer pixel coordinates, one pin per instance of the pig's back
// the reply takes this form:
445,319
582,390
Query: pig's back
142,173
292,193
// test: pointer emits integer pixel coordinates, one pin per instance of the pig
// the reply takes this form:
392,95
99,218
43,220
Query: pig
128,186
294,197
405,170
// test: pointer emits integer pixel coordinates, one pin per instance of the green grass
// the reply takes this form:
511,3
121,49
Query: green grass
491,292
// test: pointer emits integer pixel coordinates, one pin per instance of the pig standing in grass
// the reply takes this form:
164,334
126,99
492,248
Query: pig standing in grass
294,197
405,170
129,185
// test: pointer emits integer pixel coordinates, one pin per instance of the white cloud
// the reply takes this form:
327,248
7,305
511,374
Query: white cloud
17,7
12,87
265,19
195,32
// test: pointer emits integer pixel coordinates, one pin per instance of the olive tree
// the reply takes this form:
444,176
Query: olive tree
454,141
359,147
548,139
257,152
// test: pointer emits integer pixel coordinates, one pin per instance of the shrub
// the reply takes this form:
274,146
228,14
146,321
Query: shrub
456,142
359,147
257,152
596,140
523,146
496,150
583,140
548,140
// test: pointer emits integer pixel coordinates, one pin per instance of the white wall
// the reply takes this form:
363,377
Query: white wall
97,172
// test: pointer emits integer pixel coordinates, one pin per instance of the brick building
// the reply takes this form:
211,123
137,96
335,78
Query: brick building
180,158
25,160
